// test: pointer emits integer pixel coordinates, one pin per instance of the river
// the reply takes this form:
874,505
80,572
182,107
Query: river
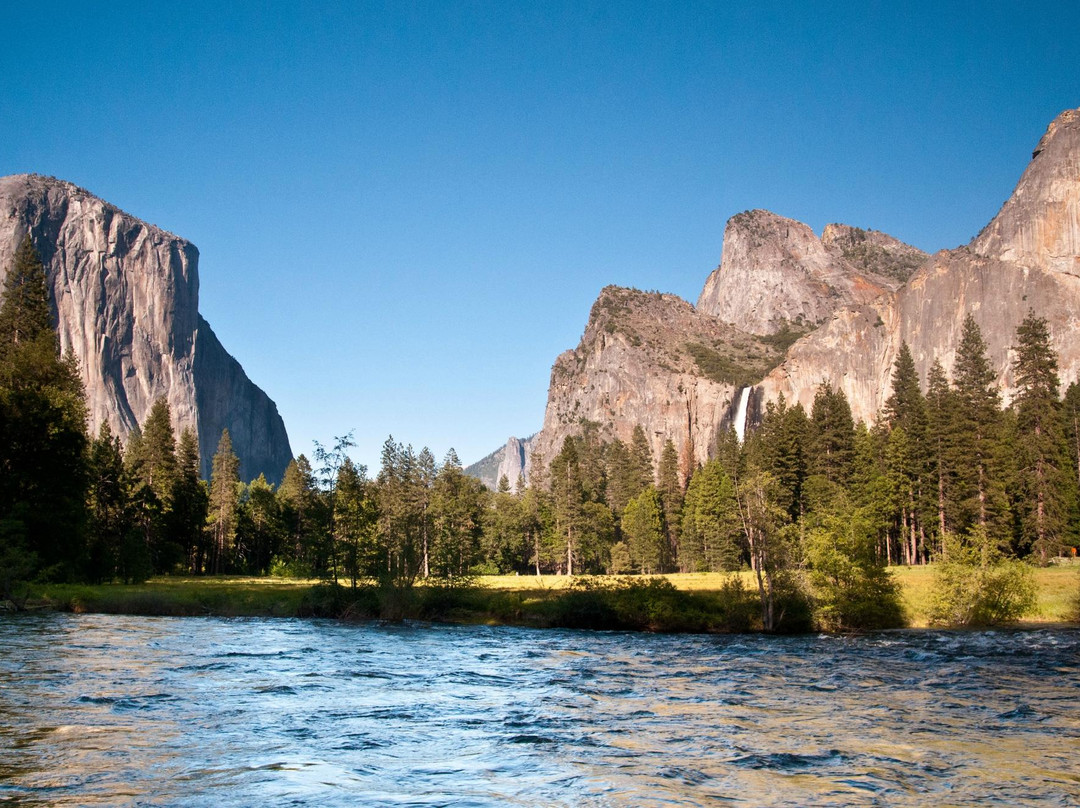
106,710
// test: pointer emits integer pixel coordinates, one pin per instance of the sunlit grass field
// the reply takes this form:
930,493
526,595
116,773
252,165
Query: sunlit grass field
1058,590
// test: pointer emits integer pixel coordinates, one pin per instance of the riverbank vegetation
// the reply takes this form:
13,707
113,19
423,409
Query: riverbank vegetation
810,516
675,602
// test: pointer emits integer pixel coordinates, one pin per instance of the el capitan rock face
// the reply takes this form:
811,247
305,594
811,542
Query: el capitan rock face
855,296
126,297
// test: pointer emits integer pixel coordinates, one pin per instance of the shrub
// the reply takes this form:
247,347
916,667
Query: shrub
853,591
976,586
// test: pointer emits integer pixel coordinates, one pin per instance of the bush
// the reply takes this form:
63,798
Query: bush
853,591
976,586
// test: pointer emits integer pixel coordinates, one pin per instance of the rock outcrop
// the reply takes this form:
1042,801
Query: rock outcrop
776,275
126,296
653,360
510,460
1026,259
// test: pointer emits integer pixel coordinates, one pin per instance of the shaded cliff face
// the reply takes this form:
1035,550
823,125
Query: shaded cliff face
510,460
126,298
652,359
1027,258
775,273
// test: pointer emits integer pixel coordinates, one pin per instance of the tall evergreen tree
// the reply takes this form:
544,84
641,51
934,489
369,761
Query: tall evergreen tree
223,505
568,500
455,505
260,527
110,518
43,438
297,501
643,527
189,502
671,497
906,454
832,436
977,416
641,459
940,415
355,523
710,522
1041,440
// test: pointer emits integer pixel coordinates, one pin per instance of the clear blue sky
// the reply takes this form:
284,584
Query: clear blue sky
405,210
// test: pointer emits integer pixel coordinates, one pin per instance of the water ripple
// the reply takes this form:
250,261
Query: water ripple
101,709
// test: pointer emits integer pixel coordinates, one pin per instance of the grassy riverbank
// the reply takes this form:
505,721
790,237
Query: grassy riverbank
694,602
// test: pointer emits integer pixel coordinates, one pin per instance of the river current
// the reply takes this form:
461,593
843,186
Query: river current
112,710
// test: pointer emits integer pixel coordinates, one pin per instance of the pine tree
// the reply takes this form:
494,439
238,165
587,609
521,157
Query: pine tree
710,522
1041,442
671,497
25,316
110,518
1071,424
622,480
455,505
641,459
187,515
260,528
832,436
354,522
643,527
296,499
422,486
568,499
906,454
223,505
43,440
940,415
977,416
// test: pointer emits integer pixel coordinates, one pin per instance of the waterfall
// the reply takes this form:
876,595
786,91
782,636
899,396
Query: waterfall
740,413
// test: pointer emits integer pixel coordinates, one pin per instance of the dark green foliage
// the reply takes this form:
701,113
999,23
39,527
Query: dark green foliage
722,369
224,502
189,504
24,315
457,517
355,521
114,550
711,528
832,436
643,529
1040,447
43,439
975,428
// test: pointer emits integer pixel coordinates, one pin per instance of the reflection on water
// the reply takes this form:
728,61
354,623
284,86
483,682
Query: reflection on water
117,710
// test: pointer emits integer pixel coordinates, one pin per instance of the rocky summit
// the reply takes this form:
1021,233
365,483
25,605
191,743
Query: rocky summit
126,298
787,310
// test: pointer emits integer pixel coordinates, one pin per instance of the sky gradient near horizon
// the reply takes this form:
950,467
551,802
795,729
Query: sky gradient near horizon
405,210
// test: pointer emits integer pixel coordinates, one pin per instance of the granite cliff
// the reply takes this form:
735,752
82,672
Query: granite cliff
1026,258
126,297
786,310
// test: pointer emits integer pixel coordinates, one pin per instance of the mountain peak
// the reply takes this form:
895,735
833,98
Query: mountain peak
776,274
1039,225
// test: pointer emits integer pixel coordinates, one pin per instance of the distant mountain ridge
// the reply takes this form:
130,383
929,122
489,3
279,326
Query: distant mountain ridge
798,310
126,297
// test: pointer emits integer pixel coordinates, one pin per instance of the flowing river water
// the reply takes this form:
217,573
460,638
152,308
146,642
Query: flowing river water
112,710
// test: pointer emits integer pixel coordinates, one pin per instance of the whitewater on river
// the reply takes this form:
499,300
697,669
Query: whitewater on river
98,709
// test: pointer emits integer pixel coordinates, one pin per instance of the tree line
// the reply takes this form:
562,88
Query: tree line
945,473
